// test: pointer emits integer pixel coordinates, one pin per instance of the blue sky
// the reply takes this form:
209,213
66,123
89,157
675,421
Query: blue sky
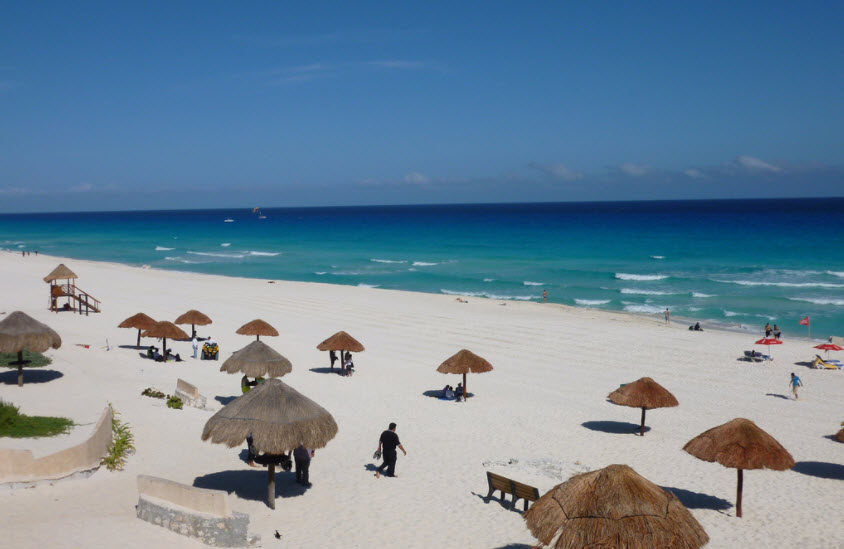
215,104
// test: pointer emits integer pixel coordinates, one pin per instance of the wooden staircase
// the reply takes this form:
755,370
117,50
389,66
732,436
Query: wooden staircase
77,299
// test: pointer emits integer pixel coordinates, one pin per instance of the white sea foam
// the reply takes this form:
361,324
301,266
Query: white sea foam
698,294
625,276
589,302
163,249
781,284
347,273
657,257
819,300
227,256
423,264
226,244
182,260
529,283
387,261
730,313
694,309
320,273
489,295
839,274
644,292
267,254
650,309
489,280
362,285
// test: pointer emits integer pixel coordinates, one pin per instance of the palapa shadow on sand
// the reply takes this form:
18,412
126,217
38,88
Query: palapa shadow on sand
133,347
777,395
326,370
437,393
696,500
820,469
514,546
615,427
29,376
224,400
251,484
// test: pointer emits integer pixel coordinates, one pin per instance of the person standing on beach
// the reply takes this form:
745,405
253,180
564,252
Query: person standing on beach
795,383
195,344
667,316
544,296
389,441
302,456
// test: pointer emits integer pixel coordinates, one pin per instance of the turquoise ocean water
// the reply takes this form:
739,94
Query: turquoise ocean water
737,263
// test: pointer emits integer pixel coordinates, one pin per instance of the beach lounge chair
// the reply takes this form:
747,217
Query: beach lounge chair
822,364
755,357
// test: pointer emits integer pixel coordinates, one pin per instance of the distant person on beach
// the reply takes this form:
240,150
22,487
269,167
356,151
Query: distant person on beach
389,441
696,327
448,392
349,366
544,296
795,383
252,453
195,345
767,330
667,316
302,457
332,356
777,332
459,392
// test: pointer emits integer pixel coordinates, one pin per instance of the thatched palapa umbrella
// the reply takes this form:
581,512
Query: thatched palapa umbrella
462,363
165,329
613,507
59,273
341,341
194,318
257,328
257,360
644,393
278,417
140,322
19,331
839,436
741,445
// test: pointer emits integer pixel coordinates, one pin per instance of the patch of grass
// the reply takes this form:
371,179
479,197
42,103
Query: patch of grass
36,360
13,424
122,443
150,392
175,402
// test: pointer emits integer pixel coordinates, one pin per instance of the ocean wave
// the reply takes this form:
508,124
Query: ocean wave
781,284
625,276
588,302
698,294
489,280
650,309
362,285
694,309
529,283
267,254
839,274
657,257
226,244
320,273
211,254
163,249
730,313
347,273
183,260
819,300
387,261
489,295
644,292
423,264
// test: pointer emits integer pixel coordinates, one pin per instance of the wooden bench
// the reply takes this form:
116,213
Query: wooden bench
509,486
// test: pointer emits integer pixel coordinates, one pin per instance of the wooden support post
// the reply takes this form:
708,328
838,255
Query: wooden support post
738,492
465,389
642,431
20,368
271,486
138,346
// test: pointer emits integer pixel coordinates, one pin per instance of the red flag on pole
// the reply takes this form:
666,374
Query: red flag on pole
804,322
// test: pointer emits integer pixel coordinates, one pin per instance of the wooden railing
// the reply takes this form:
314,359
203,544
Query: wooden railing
80,297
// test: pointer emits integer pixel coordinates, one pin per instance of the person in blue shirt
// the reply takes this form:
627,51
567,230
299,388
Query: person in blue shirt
795,383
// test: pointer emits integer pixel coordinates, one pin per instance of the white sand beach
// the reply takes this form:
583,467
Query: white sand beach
544,404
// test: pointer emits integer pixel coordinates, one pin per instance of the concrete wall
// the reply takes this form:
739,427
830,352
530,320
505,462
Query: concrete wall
21,466
198,513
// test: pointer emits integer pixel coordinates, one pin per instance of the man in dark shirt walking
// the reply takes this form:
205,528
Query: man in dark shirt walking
388,442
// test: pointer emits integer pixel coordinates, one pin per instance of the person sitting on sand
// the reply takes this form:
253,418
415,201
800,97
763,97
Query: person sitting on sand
448,392
459,391
696,327
461,300
349,365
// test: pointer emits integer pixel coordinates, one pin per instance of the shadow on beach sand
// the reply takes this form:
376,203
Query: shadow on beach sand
29,376
437,393
224,400
777,395
325,370
696,500
615,427
820,469
251,484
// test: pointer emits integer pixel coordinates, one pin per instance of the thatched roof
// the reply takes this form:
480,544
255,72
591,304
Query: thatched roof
613,507
839,436
740,444
463,362
19,331
643,393
278,416
165,329
341,341
139,321
257,360
193,317
257,328
60,273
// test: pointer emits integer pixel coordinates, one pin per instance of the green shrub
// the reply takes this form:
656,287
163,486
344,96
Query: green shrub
36,360
16,425
122,443
150,392
175,402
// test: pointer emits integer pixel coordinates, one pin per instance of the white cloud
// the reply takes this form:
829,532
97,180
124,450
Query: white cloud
635,170
83,188
694,173
15,191
756,165
416,178
558,171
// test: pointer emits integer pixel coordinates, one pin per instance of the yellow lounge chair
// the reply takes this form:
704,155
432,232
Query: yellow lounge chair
824,365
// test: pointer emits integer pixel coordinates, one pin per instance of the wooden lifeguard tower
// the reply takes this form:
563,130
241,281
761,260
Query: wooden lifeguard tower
76,298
